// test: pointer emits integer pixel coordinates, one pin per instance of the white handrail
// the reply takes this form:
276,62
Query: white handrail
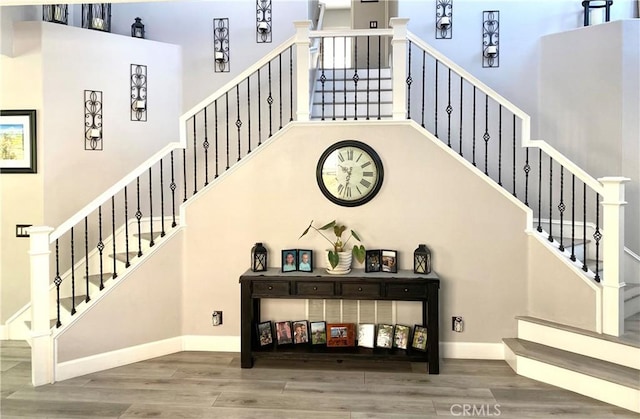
525,118
351,32
117,187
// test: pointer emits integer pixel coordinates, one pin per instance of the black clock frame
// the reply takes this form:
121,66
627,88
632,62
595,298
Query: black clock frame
376,160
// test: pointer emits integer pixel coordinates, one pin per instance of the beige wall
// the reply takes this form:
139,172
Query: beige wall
143,308
21,197
475,234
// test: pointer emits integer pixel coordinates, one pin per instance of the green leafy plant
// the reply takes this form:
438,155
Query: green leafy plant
338,244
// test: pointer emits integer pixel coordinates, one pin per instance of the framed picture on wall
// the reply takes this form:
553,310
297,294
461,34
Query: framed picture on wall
18,141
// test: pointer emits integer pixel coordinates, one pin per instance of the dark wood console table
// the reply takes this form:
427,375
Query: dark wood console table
357,285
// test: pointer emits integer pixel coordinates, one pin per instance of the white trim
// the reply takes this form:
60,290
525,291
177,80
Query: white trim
350,33
596,388
211,343
578,343
4,332
633,255
117,358
472,350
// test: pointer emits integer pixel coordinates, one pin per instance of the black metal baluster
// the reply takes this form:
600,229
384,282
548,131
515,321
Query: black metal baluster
424,86
527,169
162,232
500,145
151,242
291,83
173,187
561,208
323,79
73,277
57,281
379,77
473,154
409,82
461,100
449,109
514,157
436,100
139,217
539,190
333,78
280,85
248,116
486,137
195,160
205,146
368,76
226,97
584,227
126,229
238,121
270,102
215,111
100,245
550,199
259,115
113,236
356,77
86,258
184,172
573,218
597,235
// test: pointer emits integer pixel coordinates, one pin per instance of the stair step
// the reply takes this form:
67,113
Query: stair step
52,323
122,257
362,72
95,279
148,236
593,367
66,302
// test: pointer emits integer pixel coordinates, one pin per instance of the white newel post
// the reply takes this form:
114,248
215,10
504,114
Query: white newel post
399,67
612,253
303,64
41,349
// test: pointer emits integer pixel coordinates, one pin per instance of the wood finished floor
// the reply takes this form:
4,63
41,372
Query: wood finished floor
212,385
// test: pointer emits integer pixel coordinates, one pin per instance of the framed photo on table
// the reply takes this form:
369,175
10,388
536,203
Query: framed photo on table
401,336
265,336
18,142
372,261
341,334
300,332
389,261
305,260
290,260
419,341
318,333
283,333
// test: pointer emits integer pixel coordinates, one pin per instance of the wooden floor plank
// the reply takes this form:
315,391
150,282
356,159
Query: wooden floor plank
61,409
184,384
152,411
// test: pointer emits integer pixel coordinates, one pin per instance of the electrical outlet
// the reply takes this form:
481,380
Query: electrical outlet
373,24
216,318
457,324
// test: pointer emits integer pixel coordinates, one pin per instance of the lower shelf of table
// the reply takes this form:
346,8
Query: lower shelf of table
342,353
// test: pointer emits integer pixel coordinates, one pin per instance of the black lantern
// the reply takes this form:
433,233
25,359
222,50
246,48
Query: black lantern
97,16
422,260
56,13
137,29
258,258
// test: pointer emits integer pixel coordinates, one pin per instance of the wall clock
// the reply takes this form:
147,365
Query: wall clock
349,173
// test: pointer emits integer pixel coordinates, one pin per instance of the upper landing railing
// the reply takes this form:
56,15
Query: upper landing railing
472,119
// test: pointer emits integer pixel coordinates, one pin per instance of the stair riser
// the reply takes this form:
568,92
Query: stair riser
584,345
631,292
340,85
339,73
385,111
374,97
618,395
632,306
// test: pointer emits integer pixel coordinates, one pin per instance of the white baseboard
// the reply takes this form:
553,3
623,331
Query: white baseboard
118,358
4,332
211,343
471,350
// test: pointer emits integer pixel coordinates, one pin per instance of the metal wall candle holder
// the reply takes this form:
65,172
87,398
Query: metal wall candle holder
263,21
589,5
138,92
96,16
93,120
55,13
491,38
221,45
444,19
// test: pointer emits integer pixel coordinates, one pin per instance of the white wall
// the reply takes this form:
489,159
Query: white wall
8,15
591,115
190,25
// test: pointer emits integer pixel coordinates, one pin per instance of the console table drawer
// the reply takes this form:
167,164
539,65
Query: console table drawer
271,288
401,291
315,288
357,290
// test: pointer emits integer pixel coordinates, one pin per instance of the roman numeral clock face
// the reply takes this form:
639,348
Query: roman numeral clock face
349,173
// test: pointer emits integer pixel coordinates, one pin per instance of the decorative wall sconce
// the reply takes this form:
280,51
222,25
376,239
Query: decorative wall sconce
599,4
137,29
490,38
93,120
422,260
96,16
444,12
263,21
258,258
221,44
56,13
139,92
